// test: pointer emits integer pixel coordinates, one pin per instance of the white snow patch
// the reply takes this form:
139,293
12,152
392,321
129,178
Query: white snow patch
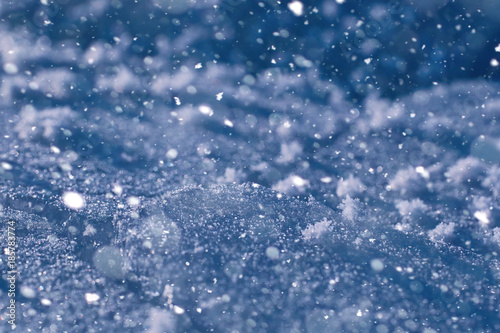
406,179
350,186
313,231
466,168
231,175
442,231
290,184
350,208
407,208
289,152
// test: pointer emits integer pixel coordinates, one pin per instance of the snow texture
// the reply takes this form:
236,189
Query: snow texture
235,166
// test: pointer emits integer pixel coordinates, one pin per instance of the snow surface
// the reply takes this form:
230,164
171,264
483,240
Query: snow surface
231,166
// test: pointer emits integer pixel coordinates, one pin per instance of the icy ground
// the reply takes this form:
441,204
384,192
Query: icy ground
164,177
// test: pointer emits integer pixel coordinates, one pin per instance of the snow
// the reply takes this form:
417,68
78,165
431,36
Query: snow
272,253
196,166
316,230
10,68
296,7
377,265
73,200
91,298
